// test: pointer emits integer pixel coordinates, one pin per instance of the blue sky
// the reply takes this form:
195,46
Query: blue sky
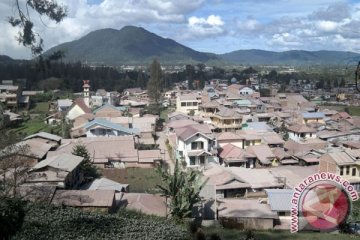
217,26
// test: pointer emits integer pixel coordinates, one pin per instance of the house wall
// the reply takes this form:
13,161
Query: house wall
189,105
315,120
246,91
74,112
96,132
297,136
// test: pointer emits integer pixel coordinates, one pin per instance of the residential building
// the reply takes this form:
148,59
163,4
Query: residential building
91,200
227,120
63,105
78,108
102,127
343,163
196,145
300,132
188,102
61,170
313,117
108,110
10,95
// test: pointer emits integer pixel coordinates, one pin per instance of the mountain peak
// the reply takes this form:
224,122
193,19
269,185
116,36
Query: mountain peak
129,45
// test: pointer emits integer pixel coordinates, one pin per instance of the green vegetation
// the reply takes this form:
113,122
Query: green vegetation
90,171
156,82
182,187
34,125
40,108
140,179
49,222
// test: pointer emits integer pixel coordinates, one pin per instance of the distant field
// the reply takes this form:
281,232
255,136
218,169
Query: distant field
354,110
140,179
40,107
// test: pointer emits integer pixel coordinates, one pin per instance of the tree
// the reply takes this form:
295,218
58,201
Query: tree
14,164
89,170
12,216
27,36
156,82
182,187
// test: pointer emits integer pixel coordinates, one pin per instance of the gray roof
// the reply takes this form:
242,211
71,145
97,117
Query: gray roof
45,135
107,184
64,161
279,199
311,115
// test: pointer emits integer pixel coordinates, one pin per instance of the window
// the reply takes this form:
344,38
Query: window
193,145
197,145
347,170
181,153
195,103
192,161
341,171
183,104
353,172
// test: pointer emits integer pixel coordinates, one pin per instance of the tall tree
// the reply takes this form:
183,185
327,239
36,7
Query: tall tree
156,82
182,187
89,170
27,36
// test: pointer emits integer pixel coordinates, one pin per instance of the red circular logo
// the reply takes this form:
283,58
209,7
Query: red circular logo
325,206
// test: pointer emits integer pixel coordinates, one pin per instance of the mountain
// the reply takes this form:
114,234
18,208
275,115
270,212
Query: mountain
5,58
293,57
130,45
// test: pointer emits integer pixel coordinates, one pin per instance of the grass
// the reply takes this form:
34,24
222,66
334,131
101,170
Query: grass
143,180
40,108
353,110
227,234
35,125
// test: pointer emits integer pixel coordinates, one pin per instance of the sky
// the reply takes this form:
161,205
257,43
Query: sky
217,26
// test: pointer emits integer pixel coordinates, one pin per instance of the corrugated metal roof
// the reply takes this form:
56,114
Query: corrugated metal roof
62,161
279,199
107,184
312,115
45,135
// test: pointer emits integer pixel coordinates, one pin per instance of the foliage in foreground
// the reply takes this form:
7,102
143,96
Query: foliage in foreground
49,222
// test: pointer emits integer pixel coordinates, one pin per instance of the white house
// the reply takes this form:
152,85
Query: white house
196,145
301,132
64,104
78,108
246,91
101,127
187,103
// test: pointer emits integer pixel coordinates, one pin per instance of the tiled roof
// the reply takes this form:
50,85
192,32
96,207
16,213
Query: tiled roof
80,102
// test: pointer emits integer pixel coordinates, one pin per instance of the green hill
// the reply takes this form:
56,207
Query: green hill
130,45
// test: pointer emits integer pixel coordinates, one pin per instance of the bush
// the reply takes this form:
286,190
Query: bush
49,222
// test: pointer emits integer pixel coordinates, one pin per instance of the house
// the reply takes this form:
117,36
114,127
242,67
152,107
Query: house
246,214
77,109
291,176
108,110
10,95
97,101
91,200
196,145
103,127
343,163
112,152
225,138
300,132
63,105
61,170
240,89
47,138
264,155
313,117
234,156
226,119
188,102
132,91
177,116
107,184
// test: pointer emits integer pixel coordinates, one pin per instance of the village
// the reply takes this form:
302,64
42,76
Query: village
251,150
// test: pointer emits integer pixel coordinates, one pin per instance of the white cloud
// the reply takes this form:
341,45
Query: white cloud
327,26
204,27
